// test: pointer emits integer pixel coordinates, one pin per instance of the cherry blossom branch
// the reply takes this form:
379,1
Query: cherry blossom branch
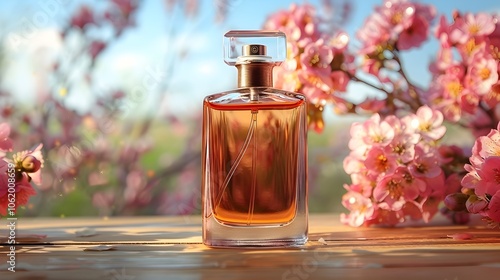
412,89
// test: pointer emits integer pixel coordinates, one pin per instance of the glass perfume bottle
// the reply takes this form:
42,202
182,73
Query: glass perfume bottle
254,151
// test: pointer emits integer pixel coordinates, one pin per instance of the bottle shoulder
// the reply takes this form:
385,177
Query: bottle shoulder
255,96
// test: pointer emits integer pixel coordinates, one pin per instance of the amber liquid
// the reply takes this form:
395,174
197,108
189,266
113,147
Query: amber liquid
252,161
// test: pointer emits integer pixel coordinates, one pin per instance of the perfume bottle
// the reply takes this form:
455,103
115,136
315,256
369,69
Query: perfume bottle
254,151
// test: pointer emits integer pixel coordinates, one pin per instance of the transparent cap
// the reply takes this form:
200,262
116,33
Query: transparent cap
246,46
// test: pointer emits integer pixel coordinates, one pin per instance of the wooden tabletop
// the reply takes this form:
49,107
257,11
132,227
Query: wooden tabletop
136,248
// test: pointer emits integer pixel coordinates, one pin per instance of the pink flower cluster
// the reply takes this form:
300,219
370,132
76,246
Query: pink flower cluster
395,170
316,65
468,83
398,169
482,182
396,25
19,172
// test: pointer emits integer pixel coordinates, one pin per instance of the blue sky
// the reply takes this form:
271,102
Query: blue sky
160,35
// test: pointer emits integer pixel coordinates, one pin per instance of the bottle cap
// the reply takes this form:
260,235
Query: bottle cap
246,46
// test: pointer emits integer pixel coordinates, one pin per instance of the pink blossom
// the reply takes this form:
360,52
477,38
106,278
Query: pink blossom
453,183
426,12
442,30
450,108
30,162
480,24
470,27
480,123
317,57
429,123
403,144
451,153
401,22
403,147
435,186
387,217
395,189
493,211
470,179
444,59
482,74
486,146
490,176
4,176
452,81
424,164
278,20
339,43
414,35
429,206
373,34
492,98
315,94
318,79
339,80
469,101
373,132
23,188
5,141
352,164
398,14
82,17
285,79
360,207
461,236
305,24
298,22
361,185
413,209
379,162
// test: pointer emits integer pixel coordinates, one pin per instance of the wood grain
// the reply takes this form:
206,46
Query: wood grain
170,248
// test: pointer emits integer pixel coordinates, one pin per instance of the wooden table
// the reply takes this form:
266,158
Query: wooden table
170,248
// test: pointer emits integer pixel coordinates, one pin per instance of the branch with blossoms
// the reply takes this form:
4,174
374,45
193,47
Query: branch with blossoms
399,168
111,163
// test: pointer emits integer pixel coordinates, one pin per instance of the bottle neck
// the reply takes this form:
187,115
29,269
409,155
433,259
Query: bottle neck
255,74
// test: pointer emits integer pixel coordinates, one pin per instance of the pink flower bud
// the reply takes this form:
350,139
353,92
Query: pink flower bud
475,204
31,164
456,201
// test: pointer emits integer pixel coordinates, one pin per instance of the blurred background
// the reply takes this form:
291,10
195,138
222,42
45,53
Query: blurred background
113,89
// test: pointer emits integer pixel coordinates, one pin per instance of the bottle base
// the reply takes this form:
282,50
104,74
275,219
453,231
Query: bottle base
271,243
293,234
